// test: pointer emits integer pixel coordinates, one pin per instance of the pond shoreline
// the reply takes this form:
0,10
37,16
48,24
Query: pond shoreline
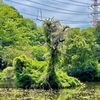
90,91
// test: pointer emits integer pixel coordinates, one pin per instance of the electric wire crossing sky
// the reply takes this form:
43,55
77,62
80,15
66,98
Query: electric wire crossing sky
71,12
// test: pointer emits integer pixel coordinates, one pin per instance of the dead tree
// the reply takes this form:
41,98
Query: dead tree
53,40
54,52
58,39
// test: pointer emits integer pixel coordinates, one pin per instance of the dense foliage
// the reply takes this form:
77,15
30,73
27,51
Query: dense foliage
81,62
50,56
33,70
17,35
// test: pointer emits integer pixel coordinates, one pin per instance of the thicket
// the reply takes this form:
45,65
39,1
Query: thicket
33,74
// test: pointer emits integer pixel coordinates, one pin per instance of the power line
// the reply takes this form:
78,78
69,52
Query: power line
69,3
63,21
55,7
74,23
32,14
45,9
79,2
56,19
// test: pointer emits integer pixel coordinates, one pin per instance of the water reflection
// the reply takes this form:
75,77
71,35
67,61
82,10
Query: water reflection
90,91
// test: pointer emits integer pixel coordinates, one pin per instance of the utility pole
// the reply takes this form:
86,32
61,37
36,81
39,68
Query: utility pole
95,12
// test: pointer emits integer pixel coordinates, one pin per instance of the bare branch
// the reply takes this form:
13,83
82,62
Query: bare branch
39,19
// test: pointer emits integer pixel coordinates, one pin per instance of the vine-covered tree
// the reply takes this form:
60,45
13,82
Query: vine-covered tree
53,39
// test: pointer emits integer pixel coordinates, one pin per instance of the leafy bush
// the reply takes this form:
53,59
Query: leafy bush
24,82
66,81
35,73
7,73
34,69
89,71
39,52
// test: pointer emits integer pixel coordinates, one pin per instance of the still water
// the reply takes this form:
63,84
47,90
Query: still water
89,91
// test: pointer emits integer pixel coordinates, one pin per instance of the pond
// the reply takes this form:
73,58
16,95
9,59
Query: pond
89,91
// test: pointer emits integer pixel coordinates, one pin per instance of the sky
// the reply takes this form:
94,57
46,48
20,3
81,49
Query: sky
75,13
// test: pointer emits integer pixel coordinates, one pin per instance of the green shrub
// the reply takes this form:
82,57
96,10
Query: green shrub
34,73
89,71
34,69
39,52
7,73
24,82
66,81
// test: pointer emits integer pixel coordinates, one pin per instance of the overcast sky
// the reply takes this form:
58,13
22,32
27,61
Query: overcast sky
75,13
